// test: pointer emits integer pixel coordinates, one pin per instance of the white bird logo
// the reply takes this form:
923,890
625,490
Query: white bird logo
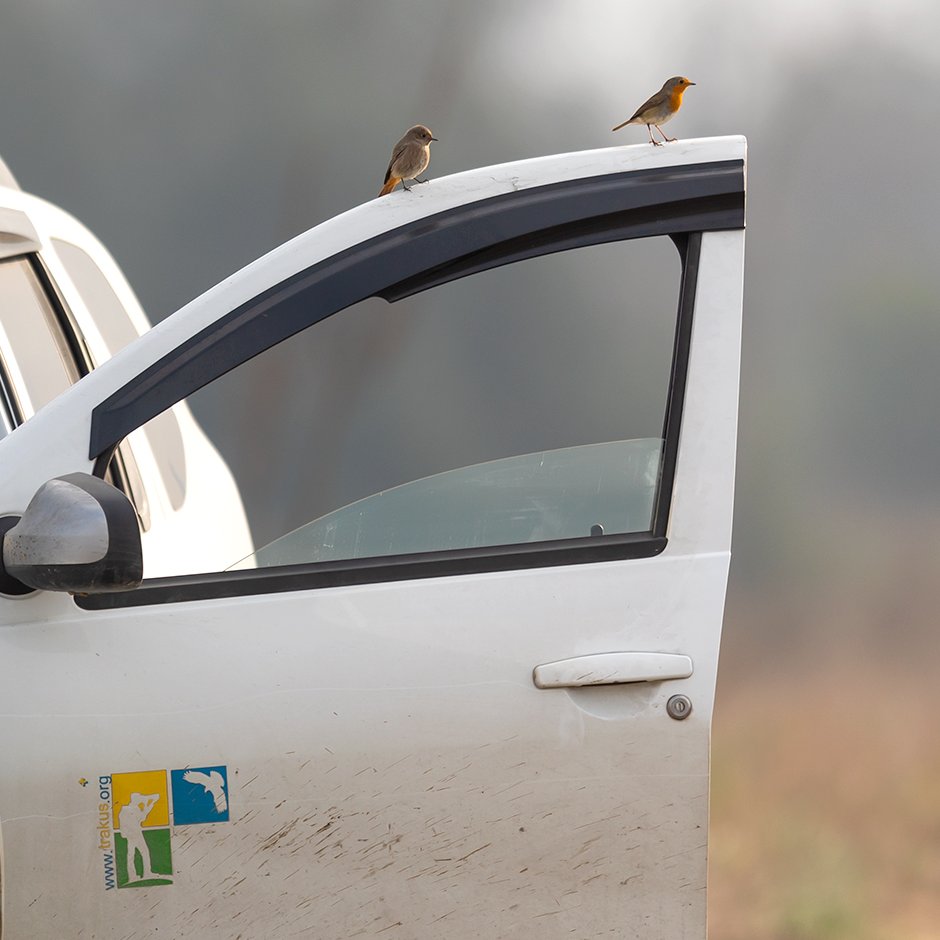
213,783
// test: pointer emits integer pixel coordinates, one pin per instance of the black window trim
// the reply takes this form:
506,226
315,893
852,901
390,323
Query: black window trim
9,400
684,202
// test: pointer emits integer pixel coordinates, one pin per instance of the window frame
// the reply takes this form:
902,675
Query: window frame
682,202
10,407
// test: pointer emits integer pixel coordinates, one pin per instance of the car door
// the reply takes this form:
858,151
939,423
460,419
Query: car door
381,725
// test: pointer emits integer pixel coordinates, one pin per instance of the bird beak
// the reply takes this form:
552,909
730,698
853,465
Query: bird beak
692,83
434,138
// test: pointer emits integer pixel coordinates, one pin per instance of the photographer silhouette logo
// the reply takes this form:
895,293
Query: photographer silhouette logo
141,811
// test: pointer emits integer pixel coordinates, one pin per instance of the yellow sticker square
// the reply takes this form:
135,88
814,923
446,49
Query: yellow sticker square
140,801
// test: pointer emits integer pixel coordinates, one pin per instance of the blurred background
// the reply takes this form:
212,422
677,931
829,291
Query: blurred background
192,137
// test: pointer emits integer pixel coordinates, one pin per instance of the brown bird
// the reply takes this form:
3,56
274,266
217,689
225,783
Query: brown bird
410,158
660,108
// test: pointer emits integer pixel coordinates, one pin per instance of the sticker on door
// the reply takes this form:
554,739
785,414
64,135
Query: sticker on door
136,813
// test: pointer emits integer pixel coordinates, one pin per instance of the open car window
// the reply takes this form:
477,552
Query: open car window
524,404
441,354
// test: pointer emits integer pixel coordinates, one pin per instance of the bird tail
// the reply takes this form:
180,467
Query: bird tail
625,123
390,184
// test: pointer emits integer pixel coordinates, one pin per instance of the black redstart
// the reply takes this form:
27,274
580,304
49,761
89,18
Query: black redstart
410,158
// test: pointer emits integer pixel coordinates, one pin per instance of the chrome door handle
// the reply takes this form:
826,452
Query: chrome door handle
611,669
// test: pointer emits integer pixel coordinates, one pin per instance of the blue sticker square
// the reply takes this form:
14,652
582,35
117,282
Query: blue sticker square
200,795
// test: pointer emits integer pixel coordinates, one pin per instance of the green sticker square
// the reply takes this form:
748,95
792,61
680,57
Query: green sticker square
144,859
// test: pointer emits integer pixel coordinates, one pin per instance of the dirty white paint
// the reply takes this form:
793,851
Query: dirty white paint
390,760
393,770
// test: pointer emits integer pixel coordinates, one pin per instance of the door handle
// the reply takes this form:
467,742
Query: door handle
611,669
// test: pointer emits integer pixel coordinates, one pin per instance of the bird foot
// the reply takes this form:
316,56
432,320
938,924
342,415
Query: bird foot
422,181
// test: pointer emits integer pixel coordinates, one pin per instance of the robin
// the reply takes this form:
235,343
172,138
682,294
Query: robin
410,158
660,108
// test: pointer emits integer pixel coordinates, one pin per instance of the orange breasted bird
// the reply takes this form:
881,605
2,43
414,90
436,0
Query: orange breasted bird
410,158
660,108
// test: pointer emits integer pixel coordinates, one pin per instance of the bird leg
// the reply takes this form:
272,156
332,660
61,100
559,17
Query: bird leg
649,130
404,187
671,140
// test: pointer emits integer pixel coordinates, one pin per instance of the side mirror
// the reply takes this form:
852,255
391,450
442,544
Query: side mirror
78,534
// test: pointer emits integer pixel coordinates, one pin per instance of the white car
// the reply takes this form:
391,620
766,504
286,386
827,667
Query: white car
65,308
471,696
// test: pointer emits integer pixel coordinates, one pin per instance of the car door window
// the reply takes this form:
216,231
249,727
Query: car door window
524,404
36,358
508,383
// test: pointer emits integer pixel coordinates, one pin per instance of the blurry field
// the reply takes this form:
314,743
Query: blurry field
825,798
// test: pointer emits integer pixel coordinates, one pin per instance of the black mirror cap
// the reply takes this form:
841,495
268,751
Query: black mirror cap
78,534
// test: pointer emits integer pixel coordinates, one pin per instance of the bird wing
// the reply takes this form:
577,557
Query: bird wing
396,153
197,776
650,102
